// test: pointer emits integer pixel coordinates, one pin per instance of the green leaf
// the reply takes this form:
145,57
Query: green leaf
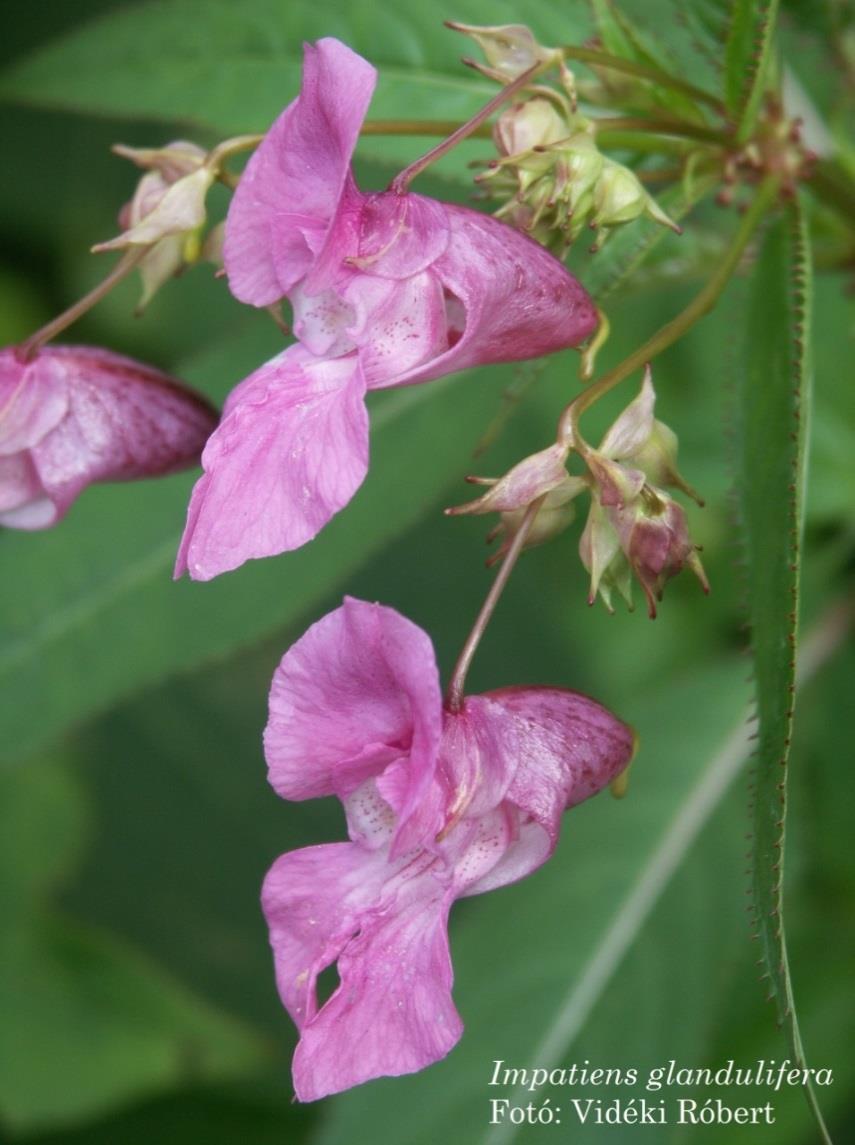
621,37
212,1116
773,411
748,56
533,961
233,67
87,1021
90,613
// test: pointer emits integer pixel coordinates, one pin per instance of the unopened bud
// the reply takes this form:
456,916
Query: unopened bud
510,49
532,477
654,535
525,126
601,554
167,213
619,198
638,437
554,515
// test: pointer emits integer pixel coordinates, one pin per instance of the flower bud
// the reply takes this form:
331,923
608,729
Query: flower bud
551,519
510,49
601,554
529,479
525,126
649,444
654,536
619,198
167,212
542,474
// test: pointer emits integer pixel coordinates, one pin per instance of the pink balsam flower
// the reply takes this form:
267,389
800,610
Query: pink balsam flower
439,806
386,289
76,414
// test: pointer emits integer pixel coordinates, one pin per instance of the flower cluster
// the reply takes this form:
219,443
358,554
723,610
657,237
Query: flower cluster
386,289
634,526
440,805
553,179
443,799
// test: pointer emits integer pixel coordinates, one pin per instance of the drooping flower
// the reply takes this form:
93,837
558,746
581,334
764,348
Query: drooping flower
387,289
74,415
439,805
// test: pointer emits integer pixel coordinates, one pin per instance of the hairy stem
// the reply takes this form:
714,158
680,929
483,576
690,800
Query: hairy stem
454,693
701,304
28,349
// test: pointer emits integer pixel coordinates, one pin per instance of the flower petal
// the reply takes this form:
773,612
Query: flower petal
387,925
287,196
567,747
291,451
633,427
397,325
314,900
33,398
359,690
516,300
81,414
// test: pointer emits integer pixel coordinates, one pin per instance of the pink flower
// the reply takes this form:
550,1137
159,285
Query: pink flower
439,806
76,414
387,289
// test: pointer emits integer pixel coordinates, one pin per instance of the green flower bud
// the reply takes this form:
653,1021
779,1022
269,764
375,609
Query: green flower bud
510,49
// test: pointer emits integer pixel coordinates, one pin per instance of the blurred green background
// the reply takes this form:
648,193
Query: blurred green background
136,989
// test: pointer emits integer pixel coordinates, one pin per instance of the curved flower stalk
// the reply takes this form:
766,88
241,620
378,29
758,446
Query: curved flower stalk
387,289
73,415
439,806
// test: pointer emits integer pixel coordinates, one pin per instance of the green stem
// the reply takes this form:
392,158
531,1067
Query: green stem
642,71
701,304
661,126
454,693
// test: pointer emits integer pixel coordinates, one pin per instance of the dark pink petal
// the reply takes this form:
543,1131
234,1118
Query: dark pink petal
291,450
400,235
567,745
289,192
508,299
386,924
119,420
356,693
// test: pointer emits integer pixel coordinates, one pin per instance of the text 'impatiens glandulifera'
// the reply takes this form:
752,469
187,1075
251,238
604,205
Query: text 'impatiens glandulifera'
439,805
386,289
